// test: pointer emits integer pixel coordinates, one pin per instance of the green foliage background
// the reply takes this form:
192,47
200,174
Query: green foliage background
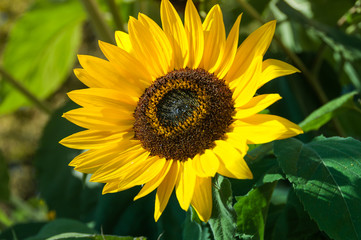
307,187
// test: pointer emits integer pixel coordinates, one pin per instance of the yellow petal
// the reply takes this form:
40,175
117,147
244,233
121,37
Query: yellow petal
230,50
104,72
88,80
202,198
262,128
161,40
232,162
90,139
246,86
194,31
206,164
237,141
101,119
140,174
110,187
256,104
111,170
147,48
185,184
95,158
130,68
123,41
272,68
173,27
165,189
155,182
214,39
256,44
102,97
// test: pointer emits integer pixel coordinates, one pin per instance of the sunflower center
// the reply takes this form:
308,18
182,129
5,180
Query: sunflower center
177,106
182,113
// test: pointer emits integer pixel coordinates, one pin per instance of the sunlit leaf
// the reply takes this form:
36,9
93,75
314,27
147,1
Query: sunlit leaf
41,51
326,176
325,113
252,211
223,220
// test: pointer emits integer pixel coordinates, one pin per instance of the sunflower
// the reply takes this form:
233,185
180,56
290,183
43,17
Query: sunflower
173,106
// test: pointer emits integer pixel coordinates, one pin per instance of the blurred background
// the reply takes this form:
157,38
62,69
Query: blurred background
39,41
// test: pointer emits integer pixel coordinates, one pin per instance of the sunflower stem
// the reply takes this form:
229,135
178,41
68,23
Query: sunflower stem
312,79
18,86
96,17
112,6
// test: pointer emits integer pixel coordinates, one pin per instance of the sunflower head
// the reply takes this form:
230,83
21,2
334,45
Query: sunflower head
173,106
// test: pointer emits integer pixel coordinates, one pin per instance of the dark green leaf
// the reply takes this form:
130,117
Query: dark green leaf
59,185
348,45
325,113
291,221
21,231
193,230
41,51
4,180
223,220
252,211
265,169
326,176
83,236
60,226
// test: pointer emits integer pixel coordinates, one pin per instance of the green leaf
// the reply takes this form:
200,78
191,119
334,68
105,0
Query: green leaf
193,230
21,231
252,211
291,222
41,51
59,185
83,236
325,113
4,180
264,167
223,220
326,176
60,226
348,45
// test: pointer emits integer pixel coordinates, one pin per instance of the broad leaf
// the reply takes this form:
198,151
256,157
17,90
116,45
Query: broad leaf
41,51
252,211
83,236
326,176
264,167
325,113
60,226
22,230
223,220
194,230
59,185
291,221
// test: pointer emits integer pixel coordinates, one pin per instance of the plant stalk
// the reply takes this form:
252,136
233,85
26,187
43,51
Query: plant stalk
18,86
101,27
112,6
